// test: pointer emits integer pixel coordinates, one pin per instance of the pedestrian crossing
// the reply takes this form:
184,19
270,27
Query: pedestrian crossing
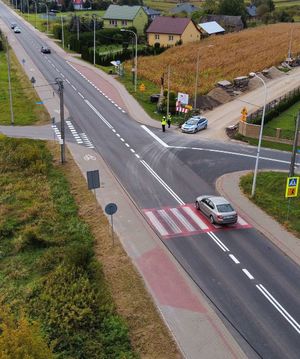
183,221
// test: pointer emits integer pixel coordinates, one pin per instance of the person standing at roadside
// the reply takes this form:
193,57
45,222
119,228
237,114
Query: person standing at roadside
163,124
169,119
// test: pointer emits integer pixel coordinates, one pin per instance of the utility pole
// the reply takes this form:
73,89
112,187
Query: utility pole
59,81
12,121
62,32
168,95
293,158
94,18
197,76
77,28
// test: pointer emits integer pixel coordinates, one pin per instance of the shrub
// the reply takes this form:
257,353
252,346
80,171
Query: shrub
20,339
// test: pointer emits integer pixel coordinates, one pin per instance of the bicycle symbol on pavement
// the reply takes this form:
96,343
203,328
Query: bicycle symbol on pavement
89,157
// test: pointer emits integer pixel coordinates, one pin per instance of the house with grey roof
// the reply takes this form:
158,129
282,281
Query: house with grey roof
184,7
124,16
228,22
152,13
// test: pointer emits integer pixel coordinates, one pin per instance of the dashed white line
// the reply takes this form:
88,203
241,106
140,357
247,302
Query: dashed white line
236,261
137,155
67,81
118,135
132,150
74,88
122,139
80,95
248,274
113,130
127,145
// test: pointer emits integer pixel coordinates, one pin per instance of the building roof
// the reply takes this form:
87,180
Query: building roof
225,20
169,25
211,27
184,7
151,12
251,10
124,12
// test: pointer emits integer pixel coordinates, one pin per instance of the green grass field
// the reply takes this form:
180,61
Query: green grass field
270,196
23,96
285,3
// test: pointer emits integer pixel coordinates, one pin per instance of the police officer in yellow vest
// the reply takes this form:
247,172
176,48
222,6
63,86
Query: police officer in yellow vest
163,123
169,119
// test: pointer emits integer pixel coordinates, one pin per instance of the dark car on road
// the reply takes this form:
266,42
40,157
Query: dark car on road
13,25
45,50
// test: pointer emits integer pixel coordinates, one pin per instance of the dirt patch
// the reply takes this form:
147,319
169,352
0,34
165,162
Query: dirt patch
149,336
220,95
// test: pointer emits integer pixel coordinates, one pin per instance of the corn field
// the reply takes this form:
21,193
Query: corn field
222,57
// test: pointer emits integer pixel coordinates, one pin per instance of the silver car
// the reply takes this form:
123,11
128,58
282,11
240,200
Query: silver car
217,209
194,124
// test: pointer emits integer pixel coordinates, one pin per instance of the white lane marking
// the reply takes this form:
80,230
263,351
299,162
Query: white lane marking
118,135
195,218
170,221
279,307
241,221
230,153
154,136
218,241
162,182
122,139
127,145
98,114
67,81
132,150
236,261
137,155
113,130
182,219
79,93
161,229
74,88
248,274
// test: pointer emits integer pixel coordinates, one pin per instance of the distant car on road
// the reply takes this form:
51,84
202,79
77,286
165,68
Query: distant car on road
194,124
13,25
17,30
45,50
217,209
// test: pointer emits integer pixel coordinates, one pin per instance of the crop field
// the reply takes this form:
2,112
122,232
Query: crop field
221,57
285,3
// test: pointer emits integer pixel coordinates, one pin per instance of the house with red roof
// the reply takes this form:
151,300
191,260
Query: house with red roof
167,31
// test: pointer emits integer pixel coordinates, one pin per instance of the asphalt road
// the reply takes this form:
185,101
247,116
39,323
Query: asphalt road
252,285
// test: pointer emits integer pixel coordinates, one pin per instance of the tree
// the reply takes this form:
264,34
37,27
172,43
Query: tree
232,7
210,7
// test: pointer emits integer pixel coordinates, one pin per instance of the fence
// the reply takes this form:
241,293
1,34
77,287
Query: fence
269,134
275,107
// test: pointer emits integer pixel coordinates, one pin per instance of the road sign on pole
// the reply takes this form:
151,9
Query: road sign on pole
111,209
292,184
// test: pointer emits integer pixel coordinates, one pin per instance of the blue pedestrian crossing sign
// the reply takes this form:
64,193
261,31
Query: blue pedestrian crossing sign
292,184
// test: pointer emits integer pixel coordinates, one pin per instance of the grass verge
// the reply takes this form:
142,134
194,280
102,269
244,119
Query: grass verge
270,197
23,96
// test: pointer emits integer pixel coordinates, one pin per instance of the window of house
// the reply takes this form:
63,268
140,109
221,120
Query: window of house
124,22
113,22
170,37
156,37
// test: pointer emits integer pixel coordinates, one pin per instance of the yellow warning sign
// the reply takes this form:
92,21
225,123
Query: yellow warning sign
292,184
142,87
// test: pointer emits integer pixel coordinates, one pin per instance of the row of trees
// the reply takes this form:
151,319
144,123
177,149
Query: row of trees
265,10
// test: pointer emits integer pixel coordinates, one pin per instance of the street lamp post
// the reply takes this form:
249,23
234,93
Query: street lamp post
35,14
253,74
290,45
94,18
135,64
47,17
197,75
62,32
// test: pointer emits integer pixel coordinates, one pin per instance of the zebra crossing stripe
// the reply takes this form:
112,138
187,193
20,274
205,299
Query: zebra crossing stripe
195,218
161,229
241,221
169,221
182,219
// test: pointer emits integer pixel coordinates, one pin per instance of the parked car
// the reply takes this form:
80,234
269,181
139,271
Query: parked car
217,209
194,124
13,25
17,30
45,50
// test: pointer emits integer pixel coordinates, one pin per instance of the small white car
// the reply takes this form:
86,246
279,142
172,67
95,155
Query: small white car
17,30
